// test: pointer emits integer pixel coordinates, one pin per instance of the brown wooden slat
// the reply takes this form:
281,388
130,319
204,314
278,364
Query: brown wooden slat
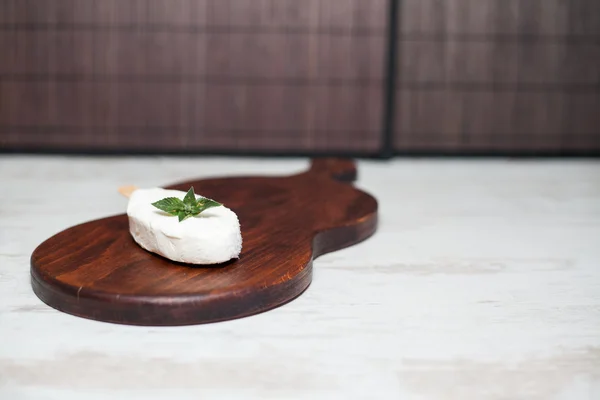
583,17
422,16
497,62
433,118
585,118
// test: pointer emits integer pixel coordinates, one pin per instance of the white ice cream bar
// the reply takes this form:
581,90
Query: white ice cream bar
211,237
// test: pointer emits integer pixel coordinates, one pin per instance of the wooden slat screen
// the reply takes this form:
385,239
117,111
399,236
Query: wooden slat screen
498,75
287,76
195,75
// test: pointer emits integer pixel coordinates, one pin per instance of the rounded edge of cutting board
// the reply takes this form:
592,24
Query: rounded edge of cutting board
168,310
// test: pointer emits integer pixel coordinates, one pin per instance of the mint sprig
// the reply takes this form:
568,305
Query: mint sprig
188,207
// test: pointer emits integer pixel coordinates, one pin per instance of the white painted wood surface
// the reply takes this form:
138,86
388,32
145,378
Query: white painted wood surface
483,282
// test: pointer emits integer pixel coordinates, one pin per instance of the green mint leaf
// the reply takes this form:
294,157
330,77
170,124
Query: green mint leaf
186,208
195,210
170,205
183,215
190,197
204,204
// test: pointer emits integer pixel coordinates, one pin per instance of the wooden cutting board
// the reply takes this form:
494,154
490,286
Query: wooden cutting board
95,270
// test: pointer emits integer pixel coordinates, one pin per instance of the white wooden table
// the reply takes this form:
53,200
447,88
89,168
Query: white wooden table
483,282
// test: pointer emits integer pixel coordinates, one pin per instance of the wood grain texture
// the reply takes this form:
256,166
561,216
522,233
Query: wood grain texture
291,76
192,75
95,270
498,76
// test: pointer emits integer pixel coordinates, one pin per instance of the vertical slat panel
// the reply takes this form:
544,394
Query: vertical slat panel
286,75
584,124
197,75
524,72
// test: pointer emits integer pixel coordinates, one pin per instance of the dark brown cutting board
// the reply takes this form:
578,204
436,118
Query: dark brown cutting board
95,270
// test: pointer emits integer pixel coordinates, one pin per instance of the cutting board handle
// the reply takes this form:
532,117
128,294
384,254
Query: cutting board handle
339,169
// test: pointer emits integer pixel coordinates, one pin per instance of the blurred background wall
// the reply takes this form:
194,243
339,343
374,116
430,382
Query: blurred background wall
359,77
